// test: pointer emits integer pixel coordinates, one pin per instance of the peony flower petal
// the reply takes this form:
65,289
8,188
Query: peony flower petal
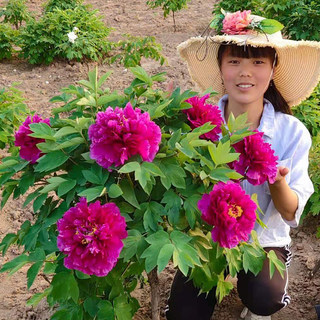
231,211
120,134
91,237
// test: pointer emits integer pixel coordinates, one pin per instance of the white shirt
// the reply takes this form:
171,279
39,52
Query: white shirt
291,142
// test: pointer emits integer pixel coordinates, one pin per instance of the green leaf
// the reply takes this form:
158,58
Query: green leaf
184,255
66,186
69,143
51,161
91,306
35,299
105,310
221,154
164,256
190,206
275,263
142,75
223,288
93,193
223,174
270,26
156,241
64,287
41,130
54,182
152,168
81,275
130,244
91,176
129,167
7,241
234,260
253,258
174,174
102,100
122,308
33,272
128,193
15,264
114,191
64,132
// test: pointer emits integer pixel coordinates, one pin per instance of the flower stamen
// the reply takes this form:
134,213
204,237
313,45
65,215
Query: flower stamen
235,211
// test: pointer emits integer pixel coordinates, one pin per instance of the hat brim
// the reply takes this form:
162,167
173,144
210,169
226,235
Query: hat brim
296,75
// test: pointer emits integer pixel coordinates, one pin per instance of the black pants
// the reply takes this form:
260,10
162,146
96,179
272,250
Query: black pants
260,294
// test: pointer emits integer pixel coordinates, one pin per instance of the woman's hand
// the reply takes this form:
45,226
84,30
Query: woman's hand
285,200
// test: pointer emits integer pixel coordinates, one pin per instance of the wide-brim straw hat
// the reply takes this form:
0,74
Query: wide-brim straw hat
296,74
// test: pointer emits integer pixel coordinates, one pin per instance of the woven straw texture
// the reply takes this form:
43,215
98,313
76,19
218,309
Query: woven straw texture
297,73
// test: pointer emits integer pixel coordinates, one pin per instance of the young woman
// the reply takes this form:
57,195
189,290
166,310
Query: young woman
263,75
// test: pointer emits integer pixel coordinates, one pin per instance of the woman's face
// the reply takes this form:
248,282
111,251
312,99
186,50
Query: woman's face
245,79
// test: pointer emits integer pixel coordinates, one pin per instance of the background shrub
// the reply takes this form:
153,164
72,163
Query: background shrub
50,5
7,36
15,13
132,49
12,112
42,41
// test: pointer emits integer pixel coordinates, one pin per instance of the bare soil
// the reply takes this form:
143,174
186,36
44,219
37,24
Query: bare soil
40,83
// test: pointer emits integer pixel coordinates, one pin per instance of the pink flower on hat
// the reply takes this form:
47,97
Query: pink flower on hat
237,22
119,134
201,113
257,161
91,237
28,145
231,211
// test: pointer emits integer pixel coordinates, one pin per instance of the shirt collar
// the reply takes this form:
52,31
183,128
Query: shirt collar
267,120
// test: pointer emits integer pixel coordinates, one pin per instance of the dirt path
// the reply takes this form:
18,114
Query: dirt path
40,83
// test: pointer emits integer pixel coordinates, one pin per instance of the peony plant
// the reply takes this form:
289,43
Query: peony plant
122,184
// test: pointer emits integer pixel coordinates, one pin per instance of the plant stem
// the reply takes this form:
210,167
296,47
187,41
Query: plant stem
155,294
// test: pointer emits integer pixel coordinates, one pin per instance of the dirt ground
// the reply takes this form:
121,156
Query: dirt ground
40,83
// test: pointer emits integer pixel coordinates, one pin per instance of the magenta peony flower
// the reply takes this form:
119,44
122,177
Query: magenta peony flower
91,237
120,134
231,211
237,22
200,113
28,145
257,161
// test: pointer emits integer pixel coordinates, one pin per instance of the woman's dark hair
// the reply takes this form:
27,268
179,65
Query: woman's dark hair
272,93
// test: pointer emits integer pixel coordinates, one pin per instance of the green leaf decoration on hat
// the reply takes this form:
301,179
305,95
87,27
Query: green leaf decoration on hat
270,26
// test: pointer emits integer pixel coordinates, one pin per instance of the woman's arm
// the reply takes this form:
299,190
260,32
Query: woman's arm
284,198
